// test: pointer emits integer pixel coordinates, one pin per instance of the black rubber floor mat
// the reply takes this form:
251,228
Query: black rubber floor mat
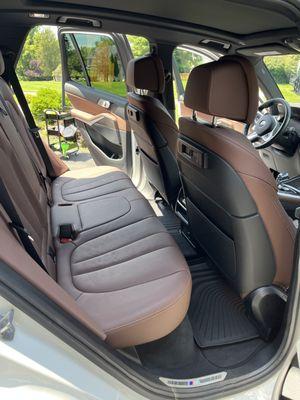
218,316
172,223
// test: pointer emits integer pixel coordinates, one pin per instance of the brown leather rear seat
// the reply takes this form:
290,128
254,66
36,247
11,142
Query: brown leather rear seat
124,271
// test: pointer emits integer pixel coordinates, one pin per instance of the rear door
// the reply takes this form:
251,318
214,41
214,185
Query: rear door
94,87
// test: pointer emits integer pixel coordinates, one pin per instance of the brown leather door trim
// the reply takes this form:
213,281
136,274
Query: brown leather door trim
91,113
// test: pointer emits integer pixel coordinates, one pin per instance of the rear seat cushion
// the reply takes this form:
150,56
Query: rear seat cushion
134,281
89,183
123,270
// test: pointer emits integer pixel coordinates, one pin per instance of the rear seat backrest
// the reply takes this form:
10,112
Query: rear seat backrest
18,170
34,212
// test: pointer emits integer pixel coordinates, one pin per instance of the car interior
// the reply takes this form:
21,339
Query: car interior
176,251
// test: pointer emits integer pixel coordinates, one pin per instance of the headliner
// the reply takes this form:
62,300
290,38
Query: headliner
262,22
233,16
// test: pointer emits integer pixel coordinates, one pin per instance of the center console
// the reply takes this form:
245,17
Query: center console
289,192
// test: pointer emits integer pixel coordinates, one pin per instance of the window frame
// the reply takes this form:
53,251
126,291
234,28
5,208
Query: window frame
114,37
82,63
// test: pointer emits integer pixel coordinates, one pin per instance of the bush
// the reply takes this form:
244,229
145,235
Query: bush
283,68
45,98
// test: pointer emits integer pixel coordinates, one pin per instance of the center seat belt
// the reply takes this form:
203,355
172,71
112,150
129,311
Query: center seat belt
17,225
34,130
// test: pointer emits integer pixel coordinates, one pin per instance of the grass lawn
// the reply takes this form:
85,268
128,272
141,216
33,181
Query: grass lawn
31,87
119,88
289,94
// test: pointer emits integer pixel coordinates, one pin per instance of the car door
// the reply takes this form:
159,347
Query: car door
93,66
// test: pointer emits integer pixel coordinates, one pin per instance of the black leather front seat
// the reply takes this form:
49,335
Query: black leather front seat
231,196
155,131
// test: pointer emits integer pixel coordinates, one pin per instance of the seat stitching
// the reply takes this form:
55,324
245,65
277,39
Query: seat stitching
118,248
260,179
97,195
96,186
123,261
116,229
136,284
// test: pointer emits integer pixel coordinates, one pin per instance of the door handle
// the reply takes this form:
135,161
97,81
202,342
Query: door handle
104,103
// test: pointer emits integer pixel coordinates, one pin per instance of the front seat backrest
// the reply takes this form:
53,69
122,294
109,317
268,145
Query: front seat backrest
233,207
155,131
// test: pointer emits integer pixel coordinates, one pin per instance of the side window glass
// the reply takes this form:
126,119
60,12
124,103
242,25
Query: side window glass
139,45
285,70
102,62
75,67
185,60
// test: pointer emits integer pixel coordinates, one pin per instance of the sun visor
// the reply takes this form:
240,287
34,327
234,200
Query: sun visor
262,51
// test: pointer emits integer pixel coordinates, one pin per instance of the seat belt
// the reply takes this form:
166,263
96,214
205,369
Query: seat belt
34,130
17,225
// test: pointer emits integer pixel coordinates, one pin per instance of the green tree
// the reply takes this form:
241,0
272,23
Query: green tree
139,45
283,68
40,56
28,54
187,60
47,50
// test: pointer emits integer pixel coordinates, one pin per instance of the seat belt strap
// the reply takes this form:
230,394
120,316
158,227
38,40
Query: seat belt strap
34,130
17,225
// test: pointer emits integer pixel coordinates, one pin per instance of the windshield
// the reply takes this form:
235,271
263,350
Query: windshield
285,70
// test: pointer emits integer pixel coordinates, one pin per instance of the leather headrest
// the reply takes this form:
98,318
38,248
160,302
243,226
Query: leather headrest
224,88
146,73
2,64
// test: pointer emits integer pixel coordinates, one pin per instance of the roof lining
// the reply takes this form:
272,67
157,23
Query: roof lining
153,27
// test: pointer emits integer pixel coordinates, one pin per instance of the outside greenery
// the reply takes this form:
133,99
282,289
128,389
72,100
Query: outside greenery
286,73
139,45
39,68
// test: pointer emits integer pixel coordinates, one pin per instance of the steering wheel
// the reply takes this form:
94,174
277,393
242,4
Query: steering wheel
266,126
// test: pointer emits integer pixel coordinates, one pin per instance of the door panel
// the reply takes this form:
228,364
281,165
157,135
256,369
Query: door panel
93,73
104,129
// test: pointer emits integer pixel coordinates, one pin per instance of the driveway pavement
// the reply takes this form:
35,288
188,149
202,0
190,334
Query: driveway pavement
81,160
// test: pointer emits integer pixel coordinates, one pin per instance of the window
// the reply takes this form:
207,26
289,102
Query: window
139,45
184,60
285,70
39,71
97,64
75,67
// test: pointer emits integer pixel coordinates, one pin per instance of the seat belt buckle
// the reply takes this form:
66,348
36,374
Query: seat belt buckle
67,233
